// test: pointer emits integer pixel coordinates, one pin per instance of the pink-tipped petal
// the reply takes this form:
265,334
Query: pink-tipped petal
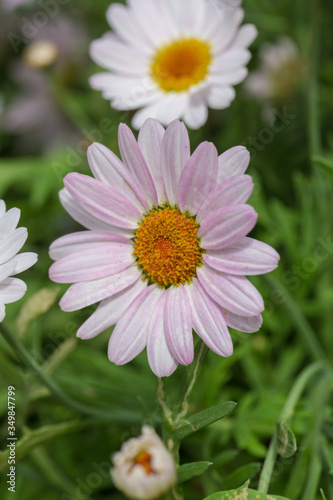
160,358
150,141
235,293
92,263
232,191
208,320
110,311
178,324
175,153
233,162
107,168
198,178
226,226
103,202
129,337
81,240
247,257
134,160
85,294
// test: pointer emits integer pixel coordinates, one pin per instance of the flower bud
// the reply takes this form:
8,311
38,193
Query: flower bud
144,469
41,54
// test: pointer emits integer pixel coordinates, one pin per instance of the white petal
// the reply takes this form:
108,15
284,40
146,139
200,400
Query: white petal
196,113
24,261
2,208
220,97
11,290
171,107
7,269
12,243
9,221
245,36
125,24
2,311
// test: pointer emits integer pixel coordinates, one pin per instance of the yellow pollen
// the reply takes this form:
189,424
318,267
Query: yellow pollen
181,64
144,459
167,247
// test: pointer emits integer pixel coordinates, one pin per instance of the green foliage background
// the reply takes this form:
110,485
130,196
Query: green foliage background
65,454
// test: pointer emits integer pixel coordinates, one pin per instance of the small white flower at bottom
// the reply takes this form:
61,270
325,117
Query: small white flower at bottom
144,469
11,241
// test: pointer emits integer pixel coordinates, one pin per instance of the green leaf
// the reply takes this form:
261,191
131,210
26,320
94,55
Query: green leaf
240,475
194,469
203,419
323,495
286,441
243,493
327,165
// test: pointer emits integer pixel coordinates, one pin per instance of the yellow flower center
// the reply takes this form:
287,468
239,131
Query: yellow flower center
144,459
181,64
167,247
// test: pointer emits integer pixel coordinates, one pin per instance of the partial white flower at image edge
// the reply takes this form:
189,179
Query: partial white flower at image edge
12,240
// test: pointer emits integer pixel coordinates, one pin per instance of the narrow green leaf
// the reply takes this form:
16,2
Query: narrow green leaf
240,475
323,495
286,441
188,471
203,419
243,493
327,165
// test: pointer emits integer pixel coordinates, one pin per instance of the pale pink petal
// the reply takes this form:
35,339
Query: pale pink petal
198,178
92,263
110,311
134,160
232,191
108,168
9,220
73,242
103,202
233,162
178,324
235,293
12,243
249,324
129,337
247,257
208,320
160,358
87,293
175,153
150,141
226,226
11,290
80,215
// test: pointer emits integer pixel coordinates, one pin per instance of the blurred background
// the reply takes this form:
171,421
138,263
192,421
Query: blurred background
283,113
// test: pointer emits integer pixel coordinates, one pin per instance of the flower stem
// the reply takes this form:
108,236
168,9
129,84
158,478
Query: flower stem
313,90
286,413
33,366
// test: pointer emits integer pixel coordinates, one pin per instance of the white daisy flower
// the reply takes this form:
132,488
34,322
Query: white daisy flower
172,58
11,241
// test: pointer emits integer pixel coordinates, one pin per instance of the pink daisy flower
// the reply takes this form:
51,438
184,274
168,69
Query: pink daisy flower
166,248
